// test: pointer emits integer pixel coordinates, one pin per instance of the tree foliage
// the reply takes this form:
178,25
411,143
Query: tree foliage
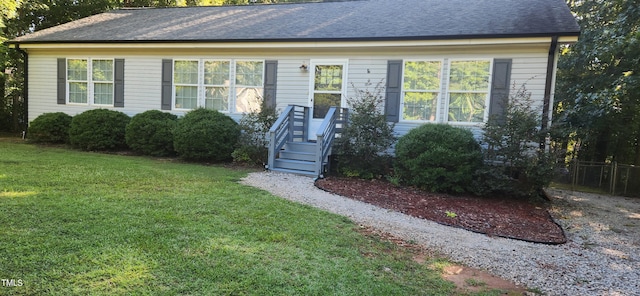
362,149
515,163
598,90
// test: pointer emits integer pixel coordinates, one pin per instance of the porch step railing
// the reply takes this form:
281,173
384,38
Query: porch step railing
289,147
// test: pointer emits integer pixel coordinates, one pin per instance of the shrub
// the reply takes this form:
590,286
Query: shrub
362,150
99,130
150,133
518,165
253,144
205,135
438,157
52,128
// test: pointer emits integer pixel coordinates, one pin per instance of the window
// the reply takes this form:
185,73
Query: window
216,83
421,90
468,90
185,79
96,88
208,84
327,88
465,83
249,85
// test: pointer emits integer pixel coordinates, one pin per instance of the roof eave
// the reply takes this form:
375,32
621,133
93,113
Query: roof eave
568,36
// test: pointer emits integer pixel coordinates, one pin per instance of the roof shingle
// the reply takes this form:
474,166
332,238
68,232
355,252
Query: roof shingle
326,21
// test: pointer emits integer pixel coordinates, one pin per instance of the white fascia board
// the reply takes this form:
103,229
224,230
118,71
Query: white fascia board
301,45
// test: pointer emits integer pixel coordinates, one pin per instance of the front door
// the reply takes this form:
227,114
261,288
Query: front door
327,89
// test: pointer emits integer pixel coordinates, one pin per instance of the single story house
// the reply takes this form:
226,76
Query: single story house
442,61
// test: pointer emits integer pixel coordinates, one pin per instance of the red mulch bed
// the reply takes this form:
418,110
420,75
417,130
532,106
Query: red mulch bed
495,216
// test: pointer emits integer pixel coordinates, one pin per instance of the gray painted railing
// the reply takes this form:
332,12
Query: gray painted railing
291,126
332,125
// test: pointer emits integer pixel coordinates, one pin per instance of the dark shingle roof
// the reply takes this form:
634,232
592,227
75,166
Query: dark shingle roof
346,20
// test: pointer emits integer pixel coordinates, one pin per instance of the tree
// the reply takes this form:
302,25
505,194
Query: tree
363,148
599,82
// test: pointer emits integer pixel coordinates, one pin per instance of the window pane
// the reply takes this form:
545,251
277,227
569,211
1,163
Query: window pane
249,73
420,106
103,93
322,103
78,92
217,98
469,75
185,72
77,70
102,70
186,97
216,73
328,78
467,107
422,75
248,99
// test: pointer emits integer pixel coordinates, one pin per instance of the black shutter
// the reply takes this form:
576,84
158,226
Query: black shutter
394,88
270,83
500,86
118,83
62,81
167,83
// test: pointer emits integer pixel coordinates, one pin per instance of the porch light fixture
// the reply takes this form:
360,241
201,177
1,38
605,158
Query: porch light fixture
304,67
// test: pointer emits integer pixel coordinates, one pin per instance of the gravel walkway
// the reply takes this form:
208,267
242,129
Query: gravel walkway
602,256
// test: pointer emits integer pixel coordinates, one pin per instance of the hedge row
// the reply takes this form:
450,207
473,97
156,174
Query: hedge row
202,135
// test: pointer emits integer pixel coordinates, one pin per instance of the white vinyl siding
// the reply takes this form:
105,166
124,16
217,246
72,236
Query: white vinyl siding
143,73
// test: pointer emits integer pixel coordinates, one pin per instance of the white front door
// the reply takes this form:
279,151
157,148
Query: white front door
327,89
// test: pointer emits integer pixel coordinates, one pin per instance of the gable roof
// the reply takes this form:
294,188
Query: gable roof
364,20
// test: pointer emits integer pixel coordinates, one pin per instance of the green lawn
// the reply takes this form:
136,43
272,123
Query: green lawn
76,223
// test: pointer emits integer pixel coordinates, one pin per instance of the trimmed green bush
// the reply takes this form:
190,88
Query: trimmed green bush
151,133
438,158
51,128
205,135
99,130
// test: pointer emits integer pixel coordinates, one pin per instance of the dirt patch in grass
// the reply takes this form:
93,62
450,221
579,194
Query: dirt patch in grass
466,279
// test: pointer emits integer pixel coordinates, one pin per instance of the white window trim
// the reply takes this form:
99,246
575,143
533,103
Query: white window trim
174,84
90,82
231,109
438,99
448,92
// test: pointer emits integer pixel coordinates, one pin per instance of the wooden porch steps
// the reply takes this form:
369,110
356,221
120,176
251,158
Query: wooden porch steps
298,158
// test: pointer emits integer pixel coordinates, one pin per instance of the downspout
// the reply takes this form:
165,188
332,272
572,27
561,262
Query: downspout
551,61
25,89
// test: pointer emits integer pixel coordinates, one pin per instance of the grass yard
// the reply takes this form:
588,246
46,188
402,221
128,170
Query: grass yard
76,223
